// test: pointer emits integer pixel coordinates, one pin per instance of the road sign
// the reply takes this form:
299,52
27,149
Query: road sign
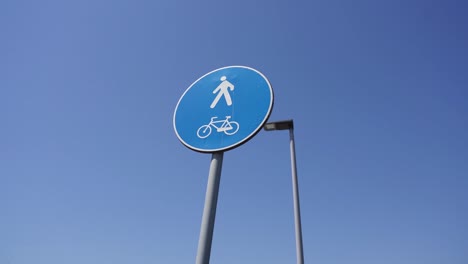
223,109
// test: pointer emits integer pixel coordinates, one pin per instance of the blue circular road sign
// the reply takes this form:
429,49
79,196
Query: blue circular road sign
223,109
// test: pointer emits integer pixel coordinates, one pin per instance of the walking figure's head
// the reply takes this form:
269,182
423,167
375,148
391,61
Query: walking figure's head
223,78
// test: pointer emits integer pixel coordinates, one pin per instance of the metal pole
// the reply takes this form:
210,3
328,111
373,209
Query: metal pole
209,212
297,210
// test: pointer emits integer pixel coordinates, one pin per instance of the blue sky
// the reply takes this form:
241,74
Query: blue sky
91,170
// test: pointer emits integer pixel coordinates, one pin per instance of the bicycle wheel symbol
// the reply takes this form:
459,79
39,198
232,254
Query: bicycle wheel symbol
204,131
233,130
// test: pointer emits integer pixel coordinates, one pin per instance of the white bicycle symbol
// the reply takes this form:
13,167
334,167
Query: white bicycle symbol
228,127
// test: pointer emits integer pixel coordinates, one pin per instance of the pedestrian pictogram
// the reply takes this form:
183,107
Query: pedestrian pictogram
223,90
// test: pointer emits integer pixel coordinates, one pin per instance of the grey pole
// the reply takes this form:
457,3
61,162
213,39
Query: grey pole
209,212
297,210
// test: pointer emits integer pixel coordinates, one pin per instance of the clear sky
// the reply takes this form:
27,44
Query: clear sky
92,172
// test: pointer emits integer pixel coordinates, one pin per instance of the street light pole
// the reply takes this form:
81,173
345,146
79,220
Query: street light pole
289,125
297,207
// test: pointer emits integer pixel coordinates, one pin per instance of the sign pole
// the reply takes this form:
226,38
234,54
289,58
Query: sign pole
209,212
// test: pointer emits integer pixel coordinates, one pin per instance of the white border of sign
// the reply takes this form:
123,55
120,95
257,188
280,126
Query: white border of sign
251,135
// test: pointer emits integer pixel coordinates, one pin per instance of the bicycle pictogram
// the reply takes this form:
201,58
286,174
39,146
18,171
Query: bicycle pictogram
226,126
